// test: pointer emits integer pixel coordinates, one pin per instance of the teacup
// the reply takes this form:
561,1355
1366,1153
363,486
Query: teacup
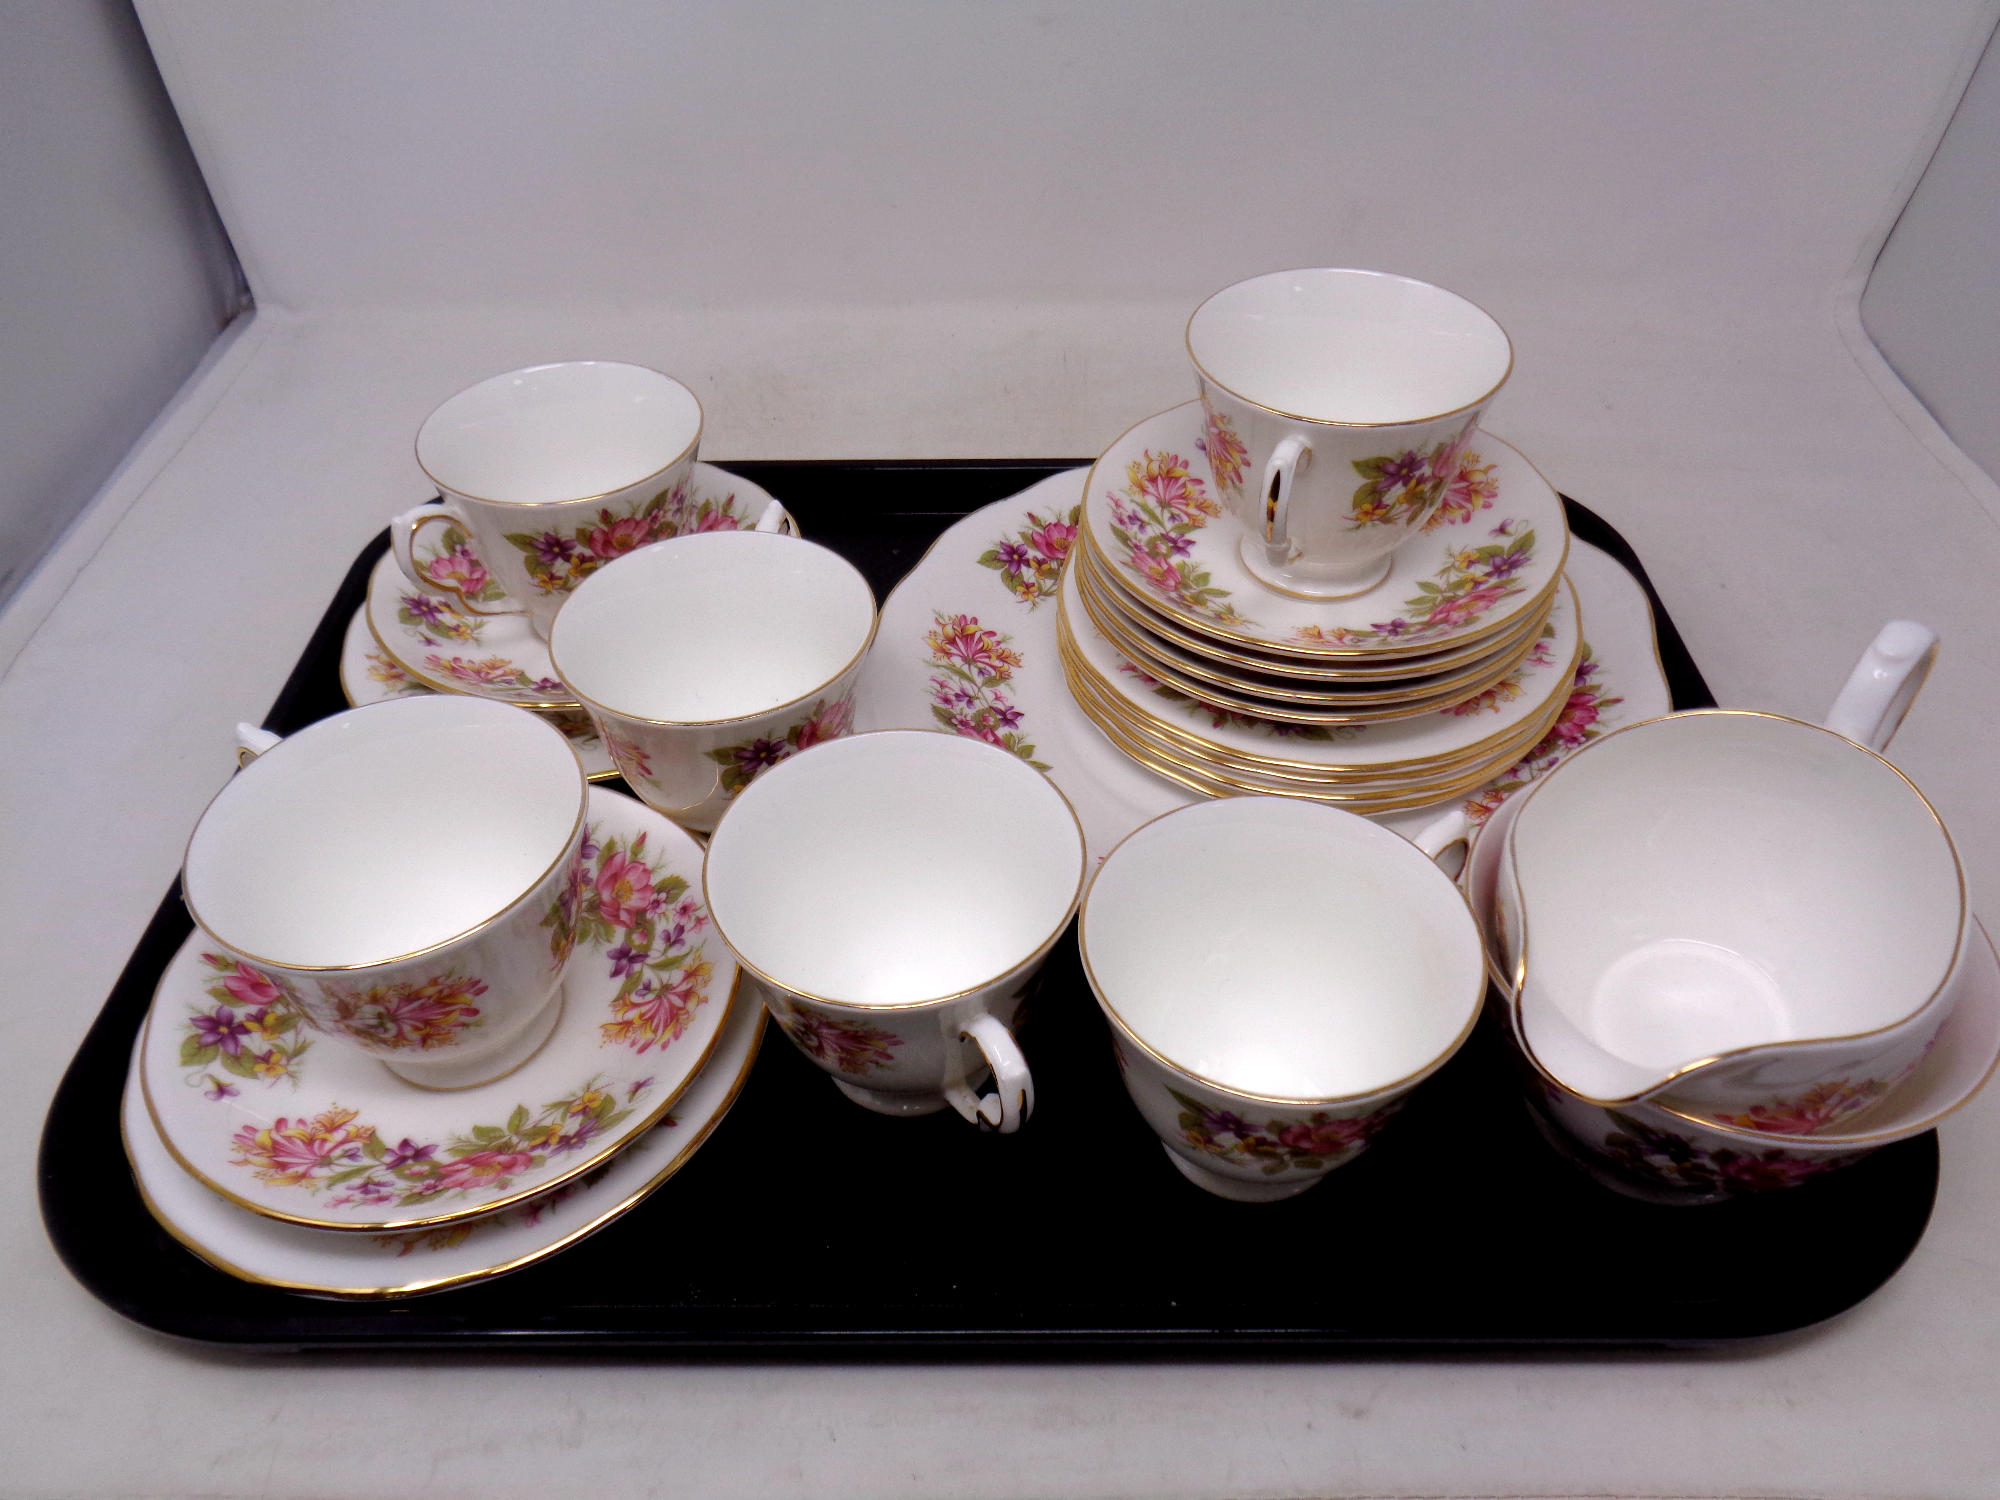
1278,976
1730,911
399,878
1338,403
707,659
546,474
894,893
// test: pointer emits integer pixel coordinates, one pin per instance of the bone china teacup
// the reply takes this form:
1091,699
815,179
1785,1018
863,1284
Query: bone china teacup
706,659
399,878
546,474
1337,404
894,893
1278,976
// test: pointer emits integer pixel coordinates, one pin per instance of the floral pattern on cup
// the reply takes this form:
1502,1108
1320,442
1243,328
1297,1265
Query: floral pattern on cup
558,561
974,664
1408,488
1580,721
1822,1105
452,565
1673,1161
1030,562
337,1150
742,763
1310,1143
1472,580
528,1215
404,1016
1154,519
255,1031
1510,687
1220,717
847,1046
647,921
1228,455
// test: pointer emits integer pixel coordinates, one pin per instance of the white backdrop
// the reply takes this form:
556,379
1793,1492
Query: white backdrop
941,229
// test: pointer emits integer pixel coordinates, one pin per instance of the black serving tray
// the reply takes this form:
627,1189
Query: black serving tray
808,1227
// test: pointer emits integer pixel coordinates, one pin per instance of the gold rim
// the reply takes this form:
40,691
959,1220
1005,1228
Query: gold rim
436,685
575,1169
1409,1081
700,424
1114,708
1217,632
570,842
1040,952
1091,571
1649,1093
853,662
463,1278
1187,342
1204,746
1359,708
1213,782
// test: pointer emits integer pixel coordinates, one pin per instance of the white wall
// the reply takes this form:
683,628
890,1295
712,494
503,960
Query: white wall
115,277
1933,303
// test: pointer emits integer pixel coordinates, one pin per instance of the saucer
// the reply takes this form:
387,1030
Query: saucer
288,1125
406,1262
1436,737
1493,549
370,675
441,644
967,644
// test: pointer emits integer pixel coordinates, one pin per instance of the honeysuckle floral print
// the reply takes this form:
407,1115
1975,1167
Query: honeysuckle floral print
1307,1142
254,1030
972,665
1813,1111
1580,721
557,561
1409,486
1472,580
1228,455
849,1046
1663,1157
744,762
1030,562
1154,518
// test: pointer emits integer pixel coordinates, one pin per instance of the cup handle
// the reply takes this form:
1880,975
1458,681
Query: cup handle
1291,458
1447,835
1014,1098
777,518
252,742
1884,683
403,542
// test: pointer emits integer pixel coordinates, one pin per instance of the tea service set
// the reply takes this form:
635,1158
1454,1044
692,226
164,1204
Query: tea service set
449,1006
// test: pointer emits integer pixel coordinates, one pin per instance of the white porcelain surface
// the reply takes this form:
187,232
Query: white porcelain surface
1313,378
889,891
1489,552
708,658
403,1263
431,633
967,644
1716,882
368,674
257,1103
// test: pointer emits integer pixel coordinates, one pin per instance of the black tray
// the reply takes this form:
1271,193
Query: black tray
807,1226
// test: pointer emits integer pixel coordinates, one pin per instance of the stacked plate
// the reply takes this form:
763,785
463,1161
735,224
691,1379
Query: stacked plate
1414,692
286,1158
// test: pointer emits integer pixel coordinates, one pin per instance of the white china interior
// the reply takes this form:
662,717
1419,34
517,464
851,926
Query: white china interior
1349,346
713,626
1282,949
1709,882
558,432
383,831
894,868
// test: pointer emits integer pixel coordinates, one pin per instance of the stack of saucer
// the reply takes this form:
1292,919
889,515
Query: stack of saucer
1411,691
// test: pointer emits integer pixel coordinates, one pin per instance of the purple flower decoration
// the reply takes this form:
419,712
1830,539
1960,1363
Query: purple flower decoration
1005,715
760,755
1506,564
1406,467
553,549
1015,558
588,850
1179,546
220,1089
625,959
405,1152
1226,1122
221,1029
634,1090
423,607
1394,627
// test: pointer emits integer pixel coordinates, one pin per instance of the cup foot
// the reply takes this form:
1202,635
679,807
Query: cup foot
1241,1190
885,1103
489,1067
1283,581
